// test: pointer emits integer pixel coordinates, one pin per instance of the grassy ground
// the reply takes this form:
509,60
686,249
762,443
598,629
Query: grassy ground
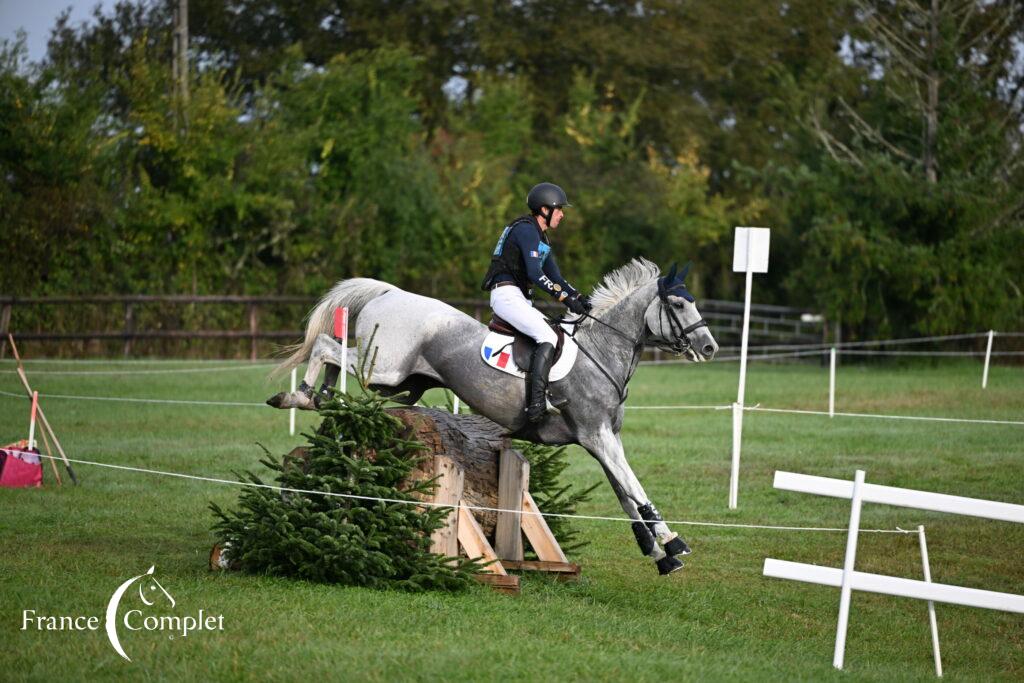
66,549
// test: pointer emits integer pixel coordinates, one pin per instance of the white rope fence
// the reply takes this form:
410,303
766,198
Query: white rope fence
168,371
240,404
352,496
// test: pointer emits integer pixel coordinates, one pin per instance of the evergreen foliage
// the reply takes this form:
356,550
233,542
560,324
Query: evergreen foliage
356,451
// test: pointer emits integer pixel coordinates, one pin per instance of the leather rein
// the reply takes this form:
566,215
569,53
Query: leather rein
680,335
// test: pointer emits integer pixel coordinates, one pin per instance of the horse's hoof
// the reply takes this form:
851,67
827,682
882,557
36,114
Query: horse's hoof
677,546
668,564
292,399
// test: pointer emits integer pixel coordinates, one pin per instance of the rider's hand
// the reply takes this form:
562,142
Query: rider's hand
578,304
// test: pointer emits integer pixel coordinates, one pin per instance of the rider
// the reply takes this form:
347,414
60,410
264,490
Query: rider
521,259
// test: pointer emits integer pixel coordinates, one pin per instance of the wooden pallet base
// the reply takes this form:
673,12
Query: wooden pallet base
565,571
503,583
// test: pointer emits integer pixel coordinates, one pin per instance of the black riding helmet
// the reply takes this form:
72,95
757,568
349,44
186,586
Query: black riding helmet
546,196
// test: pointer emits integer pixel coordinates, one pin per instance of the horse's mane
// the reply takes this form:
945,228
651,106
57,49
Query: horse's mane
619,283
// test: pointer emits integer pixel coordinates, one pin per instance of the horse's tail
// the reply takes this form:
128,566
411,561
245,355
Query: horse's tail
354,294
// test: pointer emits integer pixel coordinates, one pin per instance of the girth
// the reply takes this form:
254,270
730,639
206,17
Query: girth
522,344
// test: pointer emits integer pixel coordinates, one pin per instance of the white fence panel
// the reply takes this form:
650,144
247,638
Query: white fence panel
891,495
847,579
893,585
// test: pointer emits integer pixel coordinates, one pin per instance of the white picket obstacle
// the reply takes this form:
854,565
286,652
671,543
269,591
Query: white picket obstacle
847,579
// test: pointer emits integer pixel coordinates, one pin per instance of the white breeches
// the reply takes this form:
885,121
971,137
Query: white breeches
510,304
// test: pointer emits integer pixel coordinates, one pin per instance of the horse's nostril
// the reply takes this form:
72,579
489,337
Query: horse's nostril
708,350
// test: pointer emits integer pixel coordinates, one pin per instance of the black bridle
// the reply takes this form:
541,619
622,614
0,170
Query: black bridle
680,334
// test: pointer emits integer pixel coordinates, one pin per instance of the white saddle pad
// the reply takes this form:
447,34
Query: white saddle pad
496,351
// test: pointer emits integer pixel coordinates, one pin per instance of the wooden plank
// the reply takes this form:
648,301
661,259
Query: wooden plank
473,541
503,583
445,541
513,482
254,331
565,570
539,533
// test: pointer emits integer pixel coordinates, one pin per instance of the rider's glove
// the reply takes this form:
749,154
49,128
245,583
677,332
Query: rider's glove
579,304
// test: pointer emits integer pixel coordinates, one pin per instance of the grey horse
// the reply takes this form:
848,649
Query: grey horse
423,343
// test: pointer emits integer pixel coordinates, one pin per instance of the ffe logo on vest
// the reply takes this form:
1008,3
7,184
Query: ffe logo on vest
134,618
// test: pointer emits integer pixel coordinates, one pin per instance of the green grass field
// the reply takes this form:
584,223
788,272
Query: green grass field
66,549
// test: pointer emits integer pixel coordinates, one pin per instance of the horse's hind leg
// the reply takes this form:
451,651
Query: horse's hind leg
648,523
325,350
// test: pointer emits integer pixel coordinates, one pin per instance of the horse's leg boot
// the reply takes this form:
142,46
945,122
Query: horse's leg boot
668,564
540,366
331,375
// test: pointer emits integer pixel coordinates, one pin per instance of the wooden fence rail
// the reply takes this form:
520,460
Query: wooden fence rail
772,322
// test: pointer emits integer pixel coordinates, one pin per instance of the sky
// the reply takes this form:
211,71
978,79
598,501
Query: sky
37,17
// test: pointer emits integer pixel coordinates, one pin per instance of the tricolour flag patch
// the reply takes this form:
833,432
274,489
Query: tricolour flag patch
503,359
487,352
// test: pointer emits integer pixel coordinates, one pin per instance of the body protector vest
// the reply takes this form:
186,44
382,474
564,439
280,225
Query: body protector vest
507,260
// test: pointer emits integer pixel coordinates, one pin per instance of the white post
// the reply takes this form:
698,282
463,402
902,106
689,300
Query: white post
455,404
737,436
741,394
750,255
832,383
291,412
851,556
931,605
344,362
32,421
988,357
341,335
737,408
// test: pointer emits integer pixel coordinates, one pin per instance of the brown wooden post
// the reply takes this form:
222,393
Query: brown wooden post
254,327
445,541
129,327
5,324
513,480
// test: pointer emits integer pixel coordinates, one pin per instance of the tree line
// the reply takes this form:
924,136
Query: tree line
880,140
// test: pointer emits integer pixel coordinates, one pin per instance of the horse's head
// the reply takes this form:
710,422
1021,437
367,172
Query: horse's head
674,323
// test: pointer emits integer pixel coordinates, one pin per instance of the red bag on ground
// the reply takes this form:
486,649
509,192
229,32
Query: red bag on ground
20,467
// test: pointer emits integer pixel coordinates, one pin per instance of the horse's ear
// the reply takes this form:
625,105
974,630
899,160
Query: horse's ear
671,273
686,269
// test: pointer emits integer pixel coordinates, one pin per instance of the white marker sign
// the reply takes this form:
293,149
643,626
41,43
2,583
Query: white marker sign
751,250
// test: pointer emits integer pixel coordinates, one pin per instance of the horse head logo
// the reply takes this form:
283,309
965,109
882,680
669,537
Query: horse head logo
148,593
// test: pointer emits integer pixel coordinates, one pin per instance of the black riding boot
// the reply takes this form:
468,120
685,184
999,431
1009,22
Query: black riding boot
540,365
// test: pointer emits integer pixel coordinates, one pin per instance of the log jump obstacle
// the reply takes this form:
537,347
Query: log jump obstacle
486,482
476,467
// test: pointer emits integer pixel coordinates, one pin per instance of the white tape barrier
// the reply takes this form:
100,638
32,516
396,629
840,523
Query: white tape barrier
874,342
239,404
352,496
847,579
167,371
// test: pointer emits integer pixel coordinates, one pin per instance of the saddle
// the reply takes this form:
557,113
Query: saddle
524,345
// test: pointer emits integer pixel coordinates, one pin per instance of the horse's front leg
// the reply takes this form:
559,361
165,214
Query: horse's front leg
325,351
648,524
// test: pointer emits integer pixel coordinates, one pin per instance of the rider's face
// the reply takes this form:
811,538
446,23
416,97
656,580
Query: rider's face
556,217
